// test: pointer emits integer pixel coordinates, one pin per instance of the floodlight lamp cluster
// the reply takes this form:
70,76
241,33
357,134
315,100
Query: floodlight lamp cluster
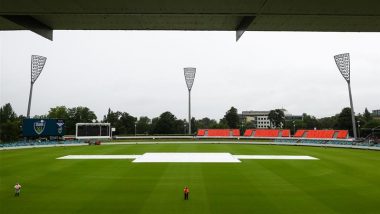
189,76
38,63
343,63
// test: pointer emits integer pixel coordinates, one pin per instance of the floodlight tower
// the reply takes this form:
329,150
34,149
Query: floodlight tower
189,78
343,63
37,64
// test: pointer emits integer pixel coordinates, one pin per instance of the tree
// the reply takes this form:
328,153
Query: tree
10,130
9,124
122,121
206,123
165,124
127,123
194,127
367,128
249,124
344,120
78,115
277,118
222,124
42,116
327,122
153,125
293,125
309,122
143,125
180,126
59,112
82,114
244,125
367,116
232,118
7,113
113,119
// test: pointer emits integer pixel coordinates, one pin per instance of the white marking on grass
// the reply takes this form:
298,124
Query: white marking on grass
276,157
187,158
75,157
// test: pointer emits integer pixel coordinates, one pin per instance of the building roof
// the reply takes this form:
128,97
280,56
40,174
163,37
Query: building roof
223,15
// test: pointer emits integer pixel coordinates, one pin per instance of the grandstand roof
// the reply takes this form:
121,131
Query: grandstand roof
43,16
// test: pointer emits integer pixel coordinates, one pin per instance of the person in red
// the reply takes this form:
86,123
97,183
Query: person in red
186,193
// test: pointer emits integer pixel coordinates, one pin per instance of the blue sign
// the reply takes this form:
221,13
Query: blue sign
43,127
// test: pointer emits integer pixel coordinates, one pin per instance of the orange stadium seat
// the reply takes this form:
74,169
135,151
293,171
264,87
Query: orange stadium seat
201,132
321,134
267,133
299,133
342,134
285,133
235,132
248,132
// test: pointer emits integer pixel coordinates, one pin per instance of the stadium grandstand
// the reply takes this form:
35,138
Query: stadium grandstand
274,133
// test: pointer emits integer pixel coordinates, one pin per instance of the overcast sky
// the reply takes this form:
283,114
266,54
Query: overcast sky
141,72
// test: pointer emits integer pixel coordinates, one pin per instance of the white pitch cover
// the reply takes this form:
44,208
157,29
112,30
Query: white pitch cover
187,158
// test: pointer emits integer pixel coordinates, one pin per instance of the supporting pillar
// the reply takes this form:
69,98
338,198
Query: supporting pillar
352,112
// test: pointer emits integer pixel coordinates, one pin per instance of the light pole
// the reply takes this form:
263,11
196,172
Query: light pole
343,63
135,127
359,128
294,127
189,78
37,64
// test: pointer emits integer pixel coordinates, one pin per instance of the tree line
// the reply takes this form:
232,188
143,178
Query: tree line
168,124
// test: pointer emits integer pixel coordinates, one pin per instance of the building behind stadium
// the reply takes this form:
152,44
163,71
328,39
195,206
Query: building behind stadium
259,119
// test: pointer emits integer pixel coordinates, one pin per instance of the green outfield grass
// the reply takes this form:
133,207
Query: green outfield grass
342,181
